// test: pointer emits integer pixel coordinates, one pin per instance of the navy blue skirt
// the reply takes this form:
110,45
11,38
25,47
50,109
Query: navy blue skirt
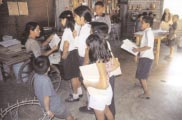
71,65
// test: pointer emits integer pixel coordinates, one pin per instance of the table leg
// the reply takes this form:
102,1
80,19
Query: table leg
157,51
4,74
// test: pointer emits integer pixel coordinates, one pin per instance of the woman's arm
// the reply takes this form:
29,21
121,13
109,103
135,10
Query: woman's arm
47,53
47,41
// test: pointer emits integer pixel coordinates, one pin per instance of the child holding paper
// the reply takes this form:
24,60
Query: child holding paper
101,98
146,55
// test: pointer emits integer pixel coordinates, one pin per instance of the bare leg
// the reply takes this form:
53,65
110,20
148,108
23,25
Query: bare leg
108,114
145,87
99,114
69,118
171,51
75,84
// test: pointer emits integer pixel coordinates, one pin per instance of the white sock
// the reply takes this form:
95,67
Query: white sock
79,90
75,96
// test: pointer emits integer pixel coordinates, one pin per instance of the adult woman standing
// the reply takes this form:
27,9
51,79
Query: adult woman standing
165,20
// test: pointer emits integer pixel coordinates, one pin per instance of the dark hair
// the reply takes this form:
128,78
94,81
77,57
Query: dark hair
99,3
101,29
140,15
164,15
29,26
148,20
177,16
97,49
70,20
84,11
144,13
41,64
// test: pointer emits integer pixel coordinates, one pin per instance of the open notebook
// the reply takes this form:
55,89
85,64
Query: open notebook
128,46
55,41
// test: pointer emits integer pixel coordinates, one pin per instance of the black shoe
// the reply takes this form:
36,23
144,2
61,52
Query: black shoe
85,109
71,99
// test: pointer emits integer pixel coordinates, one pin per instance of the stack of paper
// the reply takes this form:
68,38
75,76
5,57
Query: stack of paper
10,42
12,45
128,46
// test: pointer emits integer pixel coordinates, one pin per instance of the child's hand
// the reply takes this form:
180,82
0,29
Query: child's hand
74,33
64,56
135,50
50,114
55,48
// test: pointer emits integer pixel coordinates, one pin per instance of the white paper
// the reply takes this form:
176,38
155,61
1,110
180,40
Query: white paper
55,58
8,43
128,46
55,41
90,72
116,72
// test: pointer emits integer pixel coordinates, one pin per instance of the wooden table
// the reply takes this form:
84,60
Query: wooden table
10,58
158,36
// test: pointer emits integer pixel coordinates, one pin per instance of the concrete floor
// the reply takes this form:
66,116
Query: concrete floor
164,84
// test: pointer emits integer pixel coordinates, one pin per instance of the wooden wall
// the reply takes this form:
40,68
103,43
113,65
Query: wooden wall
14,25
141,6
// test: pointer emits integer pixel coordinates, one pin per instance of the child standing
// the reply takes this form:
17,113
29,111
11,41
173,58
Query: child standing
82,17
70,58
45,92
101,16
172,35
101,98
101,29
146,55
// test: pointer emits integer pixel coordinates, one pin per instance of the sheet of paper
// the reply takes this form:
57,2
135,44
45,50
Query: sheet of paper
128,46
55,58
13,8
90,72
8,43
55,41
23,8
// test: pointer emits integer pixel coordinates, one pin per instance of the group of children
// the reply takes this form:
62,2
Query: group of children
84,41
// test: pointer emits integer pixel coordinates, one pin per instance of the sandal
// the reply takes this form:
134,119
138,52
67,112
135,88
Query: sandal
71,99
143,96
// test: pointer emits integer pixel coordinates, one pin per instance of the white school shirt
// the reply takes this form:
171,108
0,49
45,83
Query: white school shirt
105,19
147,40
68,36
81,39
